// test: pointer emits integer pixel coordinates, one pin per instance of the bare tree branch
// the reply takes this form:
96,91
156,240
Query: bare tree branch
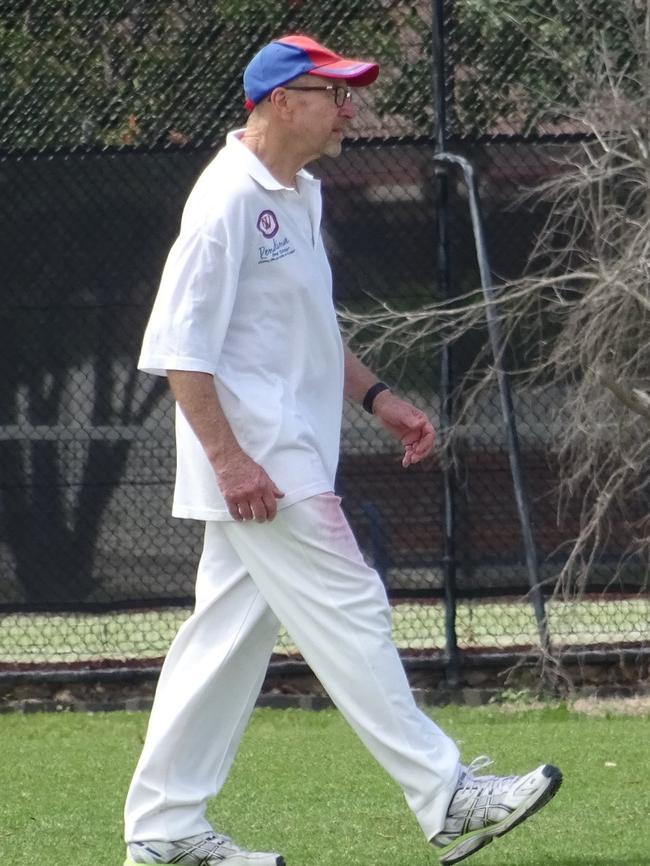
582,311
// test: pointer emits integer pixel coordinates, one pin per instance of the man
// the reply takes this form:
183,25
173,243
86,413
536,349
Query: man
244,328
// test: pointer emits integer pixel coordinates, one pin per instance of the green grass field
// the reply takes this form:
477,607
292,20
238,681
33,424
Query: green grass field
303,784
147,634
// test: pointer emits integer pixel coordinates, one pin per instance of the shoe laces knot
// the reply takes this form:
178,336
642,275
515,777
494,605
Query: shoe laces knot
479,763
468,777
494,785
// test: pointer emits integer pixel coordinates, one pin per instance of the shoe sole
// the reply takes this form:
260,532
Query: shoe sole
478,839
279,861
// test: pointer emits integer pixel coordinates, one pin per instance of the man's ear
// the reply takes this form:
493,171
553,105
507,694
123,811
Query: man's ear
280,102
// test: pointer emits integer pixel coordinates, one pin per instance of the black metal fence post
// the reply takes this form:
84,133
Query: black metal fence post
498,345
446,359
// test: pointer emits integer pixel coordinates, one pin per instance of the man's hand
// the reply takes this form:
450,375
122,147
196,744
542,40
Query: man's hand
406,423
249,492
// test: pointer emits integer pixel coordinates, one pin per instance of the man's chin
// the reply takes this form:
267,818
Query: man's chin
333,148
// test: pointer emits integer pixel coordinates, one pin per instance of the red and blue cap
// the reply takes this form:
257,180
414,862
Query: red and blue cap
291,56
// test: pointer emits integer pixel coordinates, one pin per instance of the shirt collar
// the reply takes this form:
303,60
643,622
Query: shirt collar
255,168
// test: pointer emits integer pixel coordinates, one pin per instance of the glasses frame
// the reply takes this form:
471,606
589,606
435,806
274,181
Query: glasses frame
335,89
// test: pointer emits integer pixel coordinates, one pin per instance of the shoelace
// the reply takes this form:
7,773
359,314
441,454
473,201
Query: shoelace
209,844
470,780
479,763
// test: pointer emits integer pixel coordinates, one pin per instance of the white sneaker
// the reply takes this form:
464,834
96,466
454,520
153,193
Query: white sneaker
205,849
487,806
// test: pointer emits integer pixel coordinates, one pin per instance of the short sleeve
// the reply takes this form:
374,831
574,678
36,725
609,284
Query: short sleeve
193,306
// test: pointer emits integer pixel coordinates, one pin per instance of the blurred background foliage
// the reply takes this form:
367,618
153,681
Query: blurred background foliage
87,73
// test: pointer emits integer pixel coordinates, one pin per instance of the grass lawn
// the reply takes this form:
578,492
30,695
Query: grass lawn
303,784
147,634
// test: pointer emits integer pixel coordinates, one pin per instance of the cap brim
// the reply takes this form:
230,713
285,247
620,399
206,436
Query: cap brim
356,73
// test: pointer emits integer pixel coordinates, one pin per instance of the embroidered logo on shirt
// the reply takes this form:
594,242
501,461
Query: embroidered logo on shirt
267,223
277,250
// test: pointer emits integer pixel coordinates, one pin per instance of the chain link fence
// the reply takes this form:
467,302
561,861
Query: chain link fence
110,109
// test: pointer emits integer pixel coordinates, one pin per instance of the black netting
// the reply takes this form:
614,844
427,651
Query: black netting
110,109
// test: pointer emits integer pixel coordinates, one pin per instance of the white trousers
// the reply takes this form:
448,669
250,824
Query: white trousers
303,569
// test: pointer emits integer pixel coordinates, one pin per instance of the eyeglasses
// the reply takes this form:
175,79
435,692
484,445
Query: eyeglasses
342,95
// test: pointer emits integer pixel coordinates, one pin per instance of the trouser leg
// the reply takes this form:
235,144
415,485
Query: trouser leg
308,566
206,692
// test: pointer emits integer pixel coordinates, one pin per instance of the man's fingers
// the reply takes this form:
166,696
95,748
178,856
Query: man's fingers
245,511
268,507
419,448
259,507
234,512
424,446
260,513
252,495
410,456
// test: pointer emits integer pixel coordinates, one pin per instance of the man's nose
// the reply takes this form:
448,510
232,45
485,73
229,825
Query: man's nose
348,109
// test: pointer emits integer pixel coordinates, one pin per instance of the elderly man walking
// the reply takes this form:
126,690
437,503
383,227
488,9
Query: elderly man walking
245,330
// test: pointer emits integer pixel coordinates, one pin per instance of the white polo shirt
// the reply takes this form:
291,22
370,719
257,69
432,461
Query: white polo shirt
246,295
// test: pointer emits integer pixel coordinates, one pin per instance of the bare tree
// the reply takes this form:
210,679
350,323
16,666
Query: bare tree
582,309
